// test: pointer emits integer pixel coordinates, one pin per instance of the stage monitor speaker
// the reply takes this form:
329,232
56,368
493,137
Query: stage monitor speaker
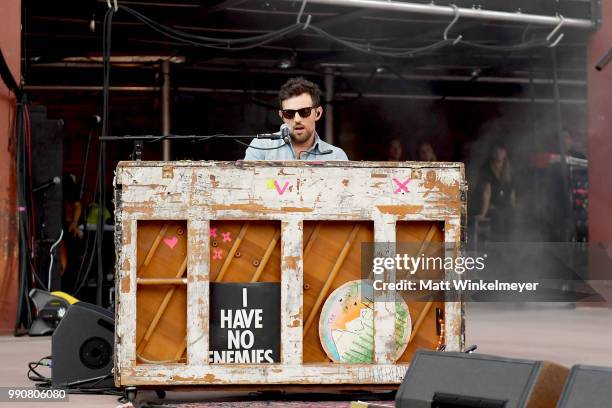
460,380
82,347
587,386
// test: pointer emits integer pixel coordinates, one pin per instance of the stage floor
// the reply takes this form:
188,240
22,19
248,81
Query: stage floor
544,332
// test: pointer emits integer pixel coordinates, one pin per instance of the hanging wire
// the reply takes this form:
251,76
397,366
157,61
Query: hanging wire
212,42
363,46
246,43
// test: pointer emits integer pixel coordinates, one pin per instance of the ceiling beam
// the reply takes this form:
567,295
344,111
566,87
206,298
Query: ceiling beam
206,11
155,4
450,11
135,89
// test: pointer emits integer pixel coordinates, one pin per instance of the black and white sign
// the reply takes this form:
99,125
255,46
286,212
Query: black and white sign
244,323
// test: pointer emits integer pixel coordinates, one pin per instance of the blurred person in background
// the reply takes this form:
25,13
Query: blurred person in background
426,152
498,200
395,150
71,246
573,145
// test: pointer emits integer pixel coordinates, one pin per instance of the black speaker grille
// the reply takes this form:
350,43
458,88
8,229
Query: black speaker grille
95,353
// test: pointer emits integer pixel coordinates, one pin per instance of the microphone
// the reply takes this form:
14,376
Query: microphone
55,180
94,120
284,134
285,130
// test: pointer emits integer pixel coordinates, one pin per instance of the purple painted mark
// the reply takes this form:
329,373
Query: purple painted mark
279,189
213,232
402,186
217,253
227,237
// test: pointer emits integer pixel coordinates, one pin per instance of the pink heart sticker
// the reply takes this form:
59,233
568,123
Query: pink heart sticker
171,242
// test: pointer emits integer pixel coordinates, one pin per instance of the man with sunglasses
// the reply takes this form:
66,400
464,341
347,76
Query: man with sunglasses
300,102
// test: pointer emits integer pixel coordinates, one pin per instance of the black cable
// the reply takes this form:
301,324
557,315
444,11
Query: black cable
314,153
20,144
157,138
74,387
7,77
515,47
97,380
17,137
364,46
228,46
43,286
202,41
260,148
32,366
358,45
86,255
91,131
196,138
106,50
412,52
379,50
81,279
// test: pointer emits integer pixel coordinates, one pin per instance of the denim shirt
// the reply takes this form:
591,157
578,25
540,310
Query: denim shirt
320,150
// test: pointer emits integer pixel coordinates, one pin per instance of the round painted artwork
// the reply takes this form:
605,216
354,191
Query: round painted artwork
346,326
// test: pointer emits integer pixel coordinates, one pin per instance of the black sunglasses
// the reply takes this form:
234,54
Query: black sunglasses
304,112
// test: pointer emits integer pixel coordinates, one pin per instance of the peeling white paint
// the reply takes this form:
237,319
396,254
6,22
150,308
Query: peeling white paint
290,192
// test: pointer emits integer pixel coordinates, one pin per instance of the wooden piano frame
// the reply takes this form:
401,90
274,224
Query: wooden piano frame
292,194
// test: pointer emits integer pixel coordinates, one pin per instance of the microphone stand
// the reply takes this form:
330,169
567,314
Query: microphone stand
138,140
271,136
93,126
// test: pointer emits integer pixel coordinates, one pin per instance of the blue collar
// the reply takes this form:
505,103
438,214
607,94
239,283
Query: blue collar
313,148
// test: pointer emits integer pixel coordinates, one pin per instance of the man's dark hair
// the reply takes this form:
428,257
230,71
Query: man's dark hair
297,86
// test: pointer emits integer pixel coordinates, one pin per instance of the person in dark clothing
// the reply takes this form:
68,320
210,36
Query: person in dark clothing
72,243
498,194
426,152
72,205
395,150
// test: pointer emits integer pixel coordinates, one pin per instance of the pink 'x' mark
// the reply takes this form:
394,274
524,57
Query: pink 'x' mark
401,186
213,232
217,253
279,189
226,236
